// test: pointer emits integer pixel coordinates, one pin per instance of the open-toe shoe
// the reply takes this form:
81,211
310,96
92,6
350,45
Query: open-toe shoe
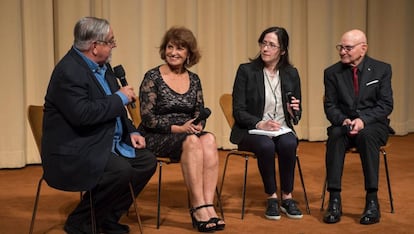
219,226
202,226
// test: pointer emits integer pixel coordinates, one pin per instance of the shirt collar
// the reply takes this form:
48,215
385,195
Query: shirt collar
360,65
95,68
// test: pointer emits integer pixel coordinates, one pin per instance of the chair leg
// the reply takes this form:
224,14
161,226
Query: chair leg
219,203
246,157
35,205
244,182
134,200
303,185
93,220
325,184
384,153
224,175
159,194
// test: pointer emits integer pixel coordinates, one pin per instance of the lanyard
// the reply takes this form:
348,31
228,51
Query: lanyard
273,93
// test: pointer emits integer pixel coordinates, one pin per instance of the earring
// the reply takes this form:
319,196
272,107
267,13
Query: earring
188,60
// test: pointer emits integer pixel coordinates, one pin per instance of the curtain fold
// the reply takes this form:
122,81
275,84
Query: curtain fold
36,34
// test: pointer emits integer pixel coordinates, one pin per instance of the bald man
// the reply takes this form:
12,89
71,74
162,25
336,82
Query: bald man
358,100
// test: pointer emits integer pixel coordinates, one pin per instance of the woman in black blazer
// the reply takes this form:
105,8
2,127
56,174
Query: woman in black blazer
266,96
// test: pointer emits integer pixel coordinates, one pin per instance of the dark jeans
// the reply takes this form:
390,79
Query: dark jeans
368,142
265,149
112,196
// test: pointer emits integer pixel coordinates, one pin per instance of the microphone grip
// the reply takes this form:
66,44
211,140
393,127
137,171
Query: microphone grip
119,72
124,83
203,115
295,117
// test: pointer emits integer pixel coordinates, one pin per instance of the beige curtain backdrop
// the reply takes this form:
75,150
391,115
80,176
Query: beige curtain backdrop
35,34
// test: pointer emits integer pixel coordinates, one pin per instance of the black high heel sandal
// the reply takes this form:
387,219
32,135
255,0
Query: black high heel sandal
219,226
216,220
201,225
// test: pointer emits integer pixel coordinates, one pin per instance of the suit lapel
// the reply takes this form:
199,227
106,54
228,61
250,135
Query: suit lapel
366,75
259,80
82,62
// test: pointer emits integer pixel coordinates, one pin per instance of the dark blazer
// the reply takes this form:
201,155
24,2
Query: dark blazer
249,97
79,124
375,101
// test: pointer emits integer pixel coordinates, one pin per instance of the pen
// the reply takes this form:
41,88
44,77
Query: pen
268,114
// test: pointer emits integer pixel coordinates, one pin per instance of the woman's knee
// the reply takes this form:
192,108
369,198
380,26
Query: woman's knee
208,141
288,141
191,142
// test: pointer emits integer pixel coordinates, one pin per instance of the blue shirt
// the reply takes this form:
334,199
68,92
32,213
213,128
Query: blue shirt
118,147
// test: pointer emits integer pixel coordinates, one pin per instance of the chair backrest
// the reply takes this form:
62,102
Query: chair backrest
226,104
35,116
135,113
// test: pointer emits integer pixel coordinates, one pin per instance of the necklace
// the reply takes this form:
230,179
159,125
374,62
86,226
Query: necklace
273,90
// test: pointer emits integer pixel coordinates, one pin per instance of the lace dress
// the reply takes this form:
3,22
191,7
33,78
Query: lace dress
162,107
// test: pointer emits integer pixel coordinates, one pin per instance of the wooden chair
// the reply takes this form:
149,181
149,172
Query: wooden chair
136,119
35,117
353,150
226,104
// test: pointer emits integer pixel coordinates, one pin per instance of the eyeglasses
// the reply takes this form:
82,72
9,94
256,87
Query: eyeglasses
347,48
269,45
111,42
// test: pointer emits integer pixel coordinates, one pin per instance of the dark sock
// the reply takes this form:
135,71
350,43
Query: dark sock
372,195
334,194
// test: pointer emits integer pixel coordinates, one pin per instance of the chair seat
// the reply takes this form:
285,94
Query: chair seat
355,151
164,160
35,117
243,153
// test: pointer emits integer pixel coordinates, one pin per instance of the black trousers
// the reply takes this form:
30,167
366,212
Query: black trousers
112,196
367,141
265,148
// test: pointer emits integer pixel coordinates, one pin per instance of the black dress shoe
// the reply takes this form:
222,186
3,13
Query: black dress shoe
72,228
334,212
371,213
114,228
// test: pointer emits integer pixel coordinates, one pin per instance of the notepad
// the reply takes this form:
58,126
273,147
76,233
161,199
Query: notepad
281,131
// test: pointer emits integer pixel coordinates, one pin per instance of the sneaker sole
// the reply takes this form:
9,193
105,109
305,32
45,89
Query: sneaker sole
289,215
272,217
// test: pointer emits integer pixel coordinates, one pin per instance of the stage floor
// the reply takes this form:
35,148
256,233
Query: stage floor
18,188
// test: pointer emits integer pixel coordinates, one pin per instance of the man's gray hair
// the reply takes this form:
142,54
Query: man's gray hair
89,29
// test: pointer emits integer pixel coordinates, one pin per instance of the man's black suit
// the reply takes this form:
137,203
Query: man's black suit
78,133
373,105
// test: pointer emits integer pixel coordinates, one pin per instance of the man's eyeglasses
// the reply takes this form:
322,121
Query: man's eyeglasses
347,48
111,42
269,45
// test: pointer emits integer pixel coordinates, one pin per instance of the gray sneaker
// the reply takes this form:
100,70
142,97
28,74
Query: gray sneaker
272,210
290,209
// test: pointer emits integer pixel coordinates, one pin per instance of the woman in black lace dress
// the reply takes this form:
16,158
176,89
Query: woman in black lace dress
170,99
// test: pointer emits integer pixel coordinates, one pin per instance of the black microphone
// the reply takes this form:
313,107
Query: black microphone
204,114
120,74
295,117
